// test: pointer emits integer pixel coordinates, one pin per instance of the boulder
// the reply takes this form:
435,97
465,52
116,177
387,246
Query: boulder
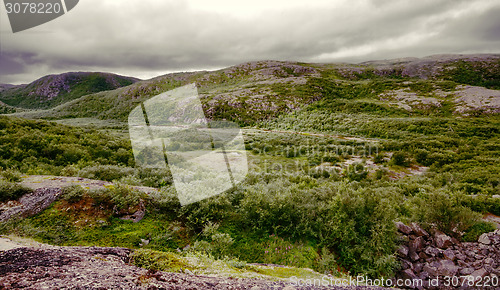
417,244
484,239
403,251
429,269
443,241
449,255
447,268
431,251
403,228
419,232
479,273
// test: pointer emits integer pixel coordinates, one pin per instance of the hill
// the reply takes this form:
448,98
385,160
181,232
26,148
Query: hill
253,92
52,90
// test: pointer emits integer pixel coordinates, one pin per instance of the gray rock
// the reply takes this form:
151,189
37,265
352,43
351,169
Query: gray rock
449,254
431,251
466,271
417,267
447,268
443,241
484,239
489,261
32,203
408,274
479,273
418,230
417,244
431,270
403,251
403,228
414,256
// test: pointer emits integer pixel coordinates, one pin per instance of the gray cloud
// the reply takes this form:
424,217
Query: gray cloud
148,38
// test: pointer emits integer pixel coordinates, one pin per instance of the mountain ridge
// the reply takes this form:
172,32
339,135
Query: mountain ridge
262,90
54,89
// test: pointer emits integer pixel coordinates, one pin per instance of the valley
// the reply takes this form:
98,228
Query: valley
337,154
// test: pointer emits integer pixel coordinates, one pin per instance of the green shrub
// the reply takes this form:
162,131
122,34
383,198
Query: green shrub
400,159
10,175
73,193
284,252
105,172
11,191
476,230
444,210
159,261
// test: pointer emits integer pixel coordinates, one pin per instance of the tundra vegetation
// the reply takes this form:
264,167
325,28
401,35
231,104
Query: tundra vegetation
333,164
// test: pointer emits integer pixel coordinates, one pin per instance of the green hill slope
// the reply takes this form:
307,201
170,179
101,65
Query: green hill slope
253,92
52,90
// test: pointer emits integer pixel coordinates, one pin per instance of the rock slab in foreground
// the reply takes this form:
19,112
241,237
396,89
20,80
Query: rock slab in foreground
108,268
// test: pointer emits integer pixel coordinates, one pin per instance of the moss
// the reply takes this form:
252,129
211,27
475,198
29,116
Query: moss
159,261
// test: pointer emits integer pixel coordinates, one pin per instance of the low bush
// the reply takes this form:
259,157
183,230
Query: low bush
159,261
11,190
476,230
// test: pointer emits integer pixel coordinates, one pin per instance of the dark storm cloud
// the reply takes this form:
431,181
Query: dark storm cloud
144,38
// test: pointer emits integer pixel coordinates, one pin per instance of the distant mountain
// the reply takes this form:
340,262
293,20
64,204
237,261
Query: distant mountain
52,90
253,92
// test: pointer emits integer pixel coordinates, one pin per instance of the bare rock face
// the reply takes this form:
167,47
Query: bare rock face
428,256
32,203
109,268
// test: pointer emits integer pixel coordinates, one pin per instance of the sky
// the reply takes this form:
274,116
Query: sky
148,38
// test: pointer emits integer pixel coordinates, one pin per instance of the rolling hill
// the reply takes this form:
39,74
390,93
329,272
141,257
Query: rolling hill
253,92
52,90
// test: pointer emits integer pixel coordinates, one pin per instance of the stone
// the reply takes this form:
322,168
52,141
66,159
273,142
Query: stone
403,228
462,263
466,271
417,244
32,203
419,232
414,256
424,275
443,241
423,256
484,239
403,251
408,274
489,261
431,251
406,265
447,268
479,273
417,267
449,254
429,269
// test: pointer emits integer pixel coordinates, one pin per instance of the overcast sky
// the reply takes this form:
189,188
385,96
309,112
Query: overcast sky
147,38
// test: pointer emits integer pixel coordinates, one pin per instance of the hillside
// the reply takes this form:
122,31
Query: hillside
253,92
52,90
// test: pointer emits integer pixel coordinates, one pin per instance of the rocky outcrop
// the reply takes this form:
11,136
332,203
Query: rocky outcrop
31,204
427,256
108,268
